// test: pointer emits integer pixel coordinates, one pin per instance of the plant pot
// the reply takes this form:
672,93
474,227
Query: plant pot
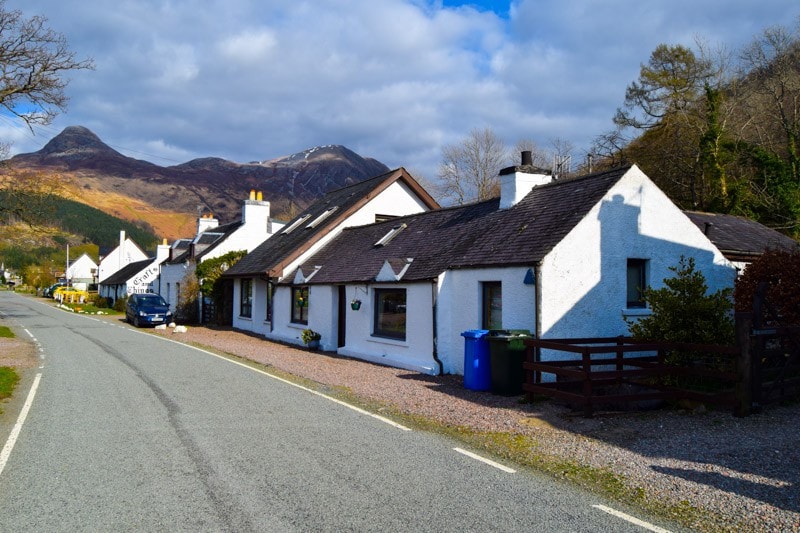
313,345
355,306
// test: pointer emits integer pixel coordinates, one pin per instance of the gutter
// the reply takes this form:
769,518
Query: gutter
435,339
537,309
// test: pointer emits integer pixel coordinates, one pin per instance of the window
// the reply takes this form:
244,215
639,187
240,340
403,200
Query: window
246,298
637,282
268,316
322,217
294,224
492,305
300,305
391,235
390,313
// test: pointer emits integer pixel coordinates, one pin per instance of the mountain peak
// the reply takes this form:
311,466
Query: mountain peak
75,140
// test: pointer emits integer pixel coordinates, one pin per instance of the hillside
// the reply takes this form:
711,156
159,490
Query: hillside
168,199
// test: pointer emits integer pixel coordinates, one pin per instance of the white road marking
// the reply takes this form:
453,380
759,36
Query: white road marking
29,334
485,460
334,400
12,437
632,519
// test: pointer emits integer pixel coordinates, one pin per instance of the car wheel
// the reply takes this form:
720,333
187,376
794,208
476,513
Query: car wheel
136,321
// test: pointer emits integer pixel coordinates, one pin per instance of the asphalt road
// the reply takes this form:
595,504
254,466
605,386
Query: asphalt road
128,431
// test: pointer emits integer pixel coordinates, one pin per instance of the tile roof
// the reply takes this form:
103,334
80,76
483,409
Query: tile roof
283,247
475,235
204,243
739,238
126,273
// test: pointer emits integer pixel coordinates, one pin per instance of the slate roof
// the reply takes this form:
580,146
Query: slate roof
273,254
205,242
739,238
475,235
127,272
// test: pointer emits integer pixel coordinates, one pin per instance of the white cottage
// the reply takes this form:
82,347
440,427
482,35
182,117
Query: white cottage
266,305
214,240
136,277
82,272
559,258
126,253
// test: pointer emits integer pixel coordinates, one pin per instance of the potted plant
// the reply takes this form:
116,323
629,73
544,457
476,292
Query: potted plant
310,338
355,304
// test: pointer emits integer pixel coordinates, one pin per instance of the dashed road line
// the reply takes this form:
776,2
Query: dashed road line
485,460
632,519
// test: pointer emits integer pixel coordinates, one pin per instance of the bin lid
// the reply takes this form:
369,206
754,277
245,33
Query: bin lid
475,333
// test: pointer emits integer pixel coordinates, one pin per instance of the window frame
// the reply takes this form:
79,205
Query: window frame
302,316
638,268
379,328
246,298
487,290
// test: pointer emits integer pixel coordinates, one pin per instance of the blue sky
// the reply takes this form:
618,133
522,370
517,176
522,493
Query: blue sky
395,80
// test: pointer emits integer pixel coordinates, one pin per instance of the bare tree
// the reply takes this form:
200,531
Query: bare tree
539,157
33,61
469,169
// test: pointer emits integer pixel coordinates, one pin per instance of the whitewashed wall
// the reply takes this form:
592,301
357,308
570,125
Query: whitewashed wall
460,308
413,353
584,278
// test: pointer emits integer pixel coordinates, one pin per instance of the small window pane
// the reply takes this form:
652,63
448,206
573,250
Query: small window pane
246,307
390,313
300,305
492,305
637,283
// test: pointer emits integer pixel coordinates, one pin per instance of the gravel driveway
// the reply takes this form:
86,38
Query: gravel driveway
741,473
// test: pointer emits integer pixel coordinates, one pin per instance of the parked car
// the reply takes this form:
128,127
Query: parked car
48,292
147,309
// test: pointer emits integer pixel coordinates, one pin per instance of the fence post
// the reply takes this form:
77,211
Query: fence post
587,382
744,366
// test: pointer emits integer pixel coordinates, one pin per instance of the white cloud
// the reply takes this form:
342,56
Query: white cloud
390,79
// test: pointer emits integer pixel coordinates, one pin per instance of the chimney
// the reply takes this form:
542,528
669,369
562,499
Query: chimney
162,252
255,212
516,182
206,222
121,255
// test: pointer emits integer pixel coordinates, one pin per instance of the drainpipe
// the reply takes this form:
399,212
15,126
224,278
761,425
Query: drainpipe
434,292
537,272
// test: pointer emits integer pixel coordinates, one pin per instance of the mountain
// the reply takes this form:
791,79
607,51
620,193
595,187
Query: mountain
169,198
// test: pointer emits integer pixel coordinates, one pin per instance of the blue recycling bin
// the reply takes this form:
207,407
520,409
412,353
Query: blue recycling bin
477,363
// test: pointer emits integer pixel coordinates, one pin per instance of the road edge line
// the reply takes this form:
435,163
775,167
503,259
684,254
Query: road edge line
12,437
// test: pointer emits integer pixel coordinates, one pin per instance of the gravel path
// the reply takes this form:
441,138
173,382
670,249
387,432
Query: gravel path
744,470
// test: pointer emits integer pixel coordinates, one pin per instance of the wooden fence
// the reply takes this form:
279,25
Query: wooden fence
764,367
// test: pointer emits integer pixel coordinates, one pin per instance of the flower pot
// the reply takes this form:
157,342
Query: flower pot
355,306
313,345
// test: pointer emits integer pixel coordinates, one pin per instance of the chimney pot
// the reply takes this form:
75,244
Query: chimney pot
252,194
527,158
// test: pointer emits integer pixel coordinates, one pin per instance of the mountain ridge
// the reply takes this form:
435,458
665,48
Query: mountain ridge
169,198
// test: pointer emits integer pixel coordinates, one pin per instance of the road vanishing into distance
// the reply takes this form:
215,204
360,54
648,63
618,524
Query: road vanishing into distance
122,430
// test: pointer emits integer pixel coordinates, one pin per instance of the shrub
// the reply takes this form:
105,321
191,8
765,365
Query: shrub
781,271
682,311
119,305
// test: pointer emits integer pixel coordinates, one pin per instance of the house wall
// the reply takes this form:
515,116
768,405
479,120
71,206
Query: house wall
170,277
413,353
460,302
584,280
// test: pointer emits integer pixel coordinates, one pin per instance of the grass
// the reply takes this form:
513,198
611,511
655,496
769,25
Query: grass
8,380
6,332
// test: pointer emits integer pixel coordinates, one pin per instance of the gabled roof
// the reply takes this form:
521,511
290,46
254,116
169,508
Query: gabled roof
126,273
205,242
475,235
302,232
739,238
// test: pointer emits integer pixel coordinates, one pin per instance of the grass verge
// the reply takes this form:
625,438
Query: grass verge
8,380
6,332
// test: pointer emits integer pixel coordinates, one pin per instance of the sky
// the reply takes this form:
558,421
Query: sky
395,80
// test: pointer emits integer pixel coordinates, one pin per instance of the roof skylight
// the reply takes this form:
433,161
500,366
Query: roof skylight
296,223
391,235
323,216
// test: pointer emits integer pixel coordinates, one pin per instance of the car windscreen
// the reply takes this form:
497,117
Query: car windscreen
151,301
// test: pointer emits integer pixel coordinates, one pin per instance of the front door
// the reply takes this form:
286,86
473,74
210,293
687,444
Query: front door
342,326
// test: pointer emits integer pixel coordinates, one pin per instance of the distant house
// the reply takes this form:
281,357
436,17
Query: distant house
264,304
126,253
82,272
136,277
214,240
559,258
740,240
